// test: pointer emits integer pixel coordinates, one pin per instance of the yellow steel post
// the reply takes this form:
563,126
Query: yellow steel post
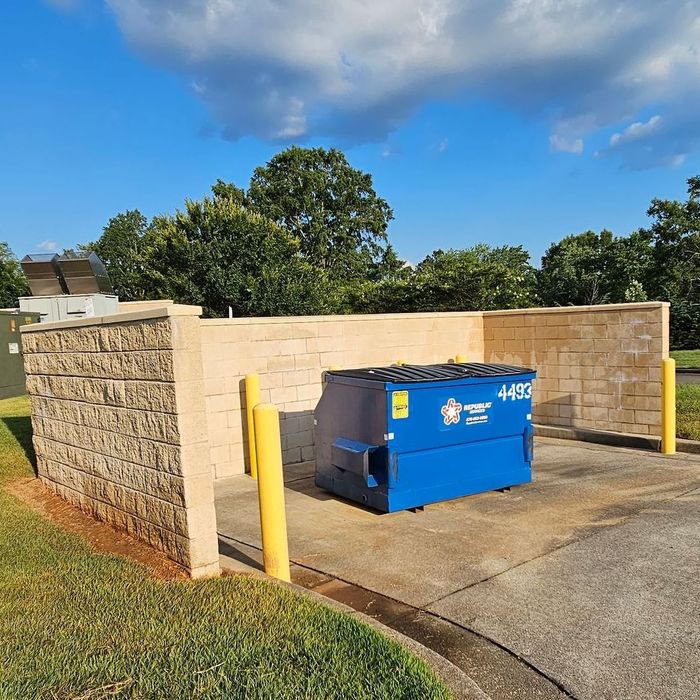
273,520
668,406
460,358
252,399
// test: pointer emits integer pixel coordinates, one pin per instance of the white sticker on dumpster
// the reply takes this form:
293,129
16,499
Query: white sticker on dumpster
477,413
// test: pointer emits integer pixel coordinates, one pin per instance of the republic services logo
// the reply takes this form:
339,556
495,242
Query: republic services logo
451,411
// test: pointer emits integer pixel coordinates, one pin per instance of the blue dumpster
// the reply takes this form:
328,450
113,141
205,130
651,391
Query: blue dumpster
405,436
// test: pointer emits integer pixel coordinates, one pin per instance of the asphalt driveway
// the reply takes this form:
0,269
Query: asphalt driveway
585,583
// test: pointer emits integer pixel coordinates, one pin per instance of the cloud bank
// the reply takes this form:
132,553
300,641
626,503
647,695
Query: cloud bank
354,70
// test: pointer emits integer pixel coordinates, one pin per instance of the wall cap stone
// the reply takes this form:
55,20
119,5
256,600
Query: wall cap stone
338,317
641,305
112,319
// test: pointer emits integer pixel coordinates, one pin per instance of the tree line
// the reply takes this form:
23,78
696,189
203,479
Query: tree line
309,236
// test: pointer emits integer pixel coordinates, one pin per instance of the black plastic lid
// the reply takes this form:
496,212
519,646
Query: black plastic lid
403,374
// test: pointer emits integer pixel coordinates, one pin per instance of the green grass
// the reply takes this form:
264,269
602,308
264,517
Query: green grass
688,411
78,624
686,358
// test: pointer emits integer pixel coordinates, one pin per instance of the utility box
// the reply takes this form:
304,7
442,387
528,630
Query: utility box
67,286
11,362
60,307
402,437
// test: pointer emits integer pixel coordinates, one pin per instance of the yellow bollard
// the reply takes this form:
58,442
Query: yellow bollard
668,406
252,399
273,520
460,358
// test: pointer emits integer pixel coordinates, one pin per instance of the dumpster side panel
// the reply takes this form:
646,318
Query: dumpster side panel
441,414
356,413
459,470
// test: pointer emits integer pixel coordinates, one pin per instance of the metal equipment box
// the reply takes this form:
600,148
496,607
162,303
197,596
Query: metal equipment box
60,307
12,381
402,437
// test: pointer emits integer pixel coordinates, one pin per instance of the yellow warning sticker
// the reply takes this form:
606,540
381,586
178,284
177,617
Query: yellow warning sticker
399,404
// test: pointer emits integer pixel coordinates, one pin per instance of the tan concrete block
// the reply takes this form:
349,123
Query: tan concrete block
280,363
622,415
650,418
635,345
647,359
309,392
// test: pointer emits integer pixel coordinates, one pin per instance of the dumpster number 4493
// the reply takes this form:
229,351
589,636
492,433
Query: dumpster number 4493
515,392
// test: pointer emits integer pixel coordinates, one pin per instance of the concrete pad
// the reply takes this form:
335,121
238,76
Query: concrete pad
419,558
616,615
584,582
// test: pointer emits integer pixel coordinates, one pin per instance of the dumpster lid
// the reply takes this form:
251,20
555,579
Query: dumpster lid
404,374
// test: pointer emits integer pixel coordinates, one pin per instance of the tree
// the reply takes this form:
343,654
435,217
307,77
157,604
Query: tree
121,248
13,283
479,278
594,268
330,208
675,271
218,254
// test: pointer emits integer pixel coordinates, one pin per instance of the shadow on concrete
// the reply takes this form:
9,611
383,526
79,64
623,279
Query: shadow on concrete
234,551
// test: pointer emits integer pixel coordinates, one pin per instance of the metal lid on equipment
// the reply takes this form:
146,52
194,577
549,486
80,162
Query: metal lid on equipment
84,274
406,374
43,274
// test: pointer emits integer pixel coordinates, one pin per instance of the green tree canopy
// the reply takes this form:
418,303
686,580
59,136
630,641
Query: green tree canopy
594,268
121,248
13,283
477,278
329,207
217,254
675,270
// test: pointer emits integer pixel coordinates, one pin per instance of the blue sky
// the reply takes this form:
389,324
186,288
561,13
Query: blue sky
516,122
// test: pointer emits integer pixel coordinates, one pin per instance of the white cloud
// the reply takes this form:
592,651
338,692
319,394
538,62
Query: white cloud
565,145
443,145
354,70
636,131
48,246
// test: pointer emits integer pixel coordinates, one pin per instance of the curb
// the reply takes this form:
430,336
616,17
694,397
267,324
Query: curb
460,684
457,681
603,437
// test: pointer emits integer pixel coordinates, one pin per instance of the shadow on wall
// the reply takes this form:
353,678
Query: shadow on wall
561,411
296,433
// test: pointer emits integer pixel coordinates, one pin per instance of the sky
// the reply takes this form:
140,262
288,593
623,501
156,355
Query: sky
506,122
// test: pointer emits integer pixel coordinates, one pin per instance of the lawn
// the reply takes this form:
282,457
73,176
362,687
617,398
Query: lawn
688,411
87,626
686,358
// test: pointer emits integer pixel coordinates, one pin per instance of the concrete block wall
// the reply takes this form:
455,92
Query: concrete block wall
290,355
598,367
120,425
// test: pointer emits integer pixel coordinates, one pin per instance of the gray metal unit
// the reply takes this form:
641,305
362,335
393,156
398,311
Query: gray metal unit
60,307
84,274
11,362
43,274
